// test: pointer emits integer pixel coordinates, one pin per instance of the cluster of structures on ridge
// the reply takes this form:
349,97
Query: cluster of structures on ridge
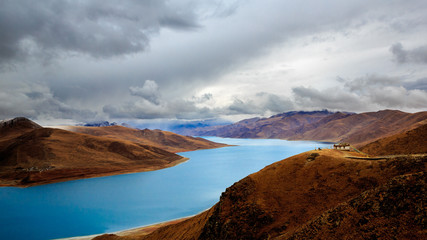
342,146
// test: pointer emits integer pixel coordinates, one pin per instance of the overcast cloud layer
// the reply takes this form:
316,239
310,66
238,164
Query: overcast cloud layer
78,61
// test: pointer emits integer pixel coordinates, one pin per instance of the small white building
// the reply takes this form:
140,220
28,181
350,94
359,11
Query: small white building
342,146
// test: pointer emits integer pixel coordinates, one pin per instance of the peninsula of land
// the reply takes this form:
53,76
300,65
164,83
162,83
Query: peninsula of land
32,155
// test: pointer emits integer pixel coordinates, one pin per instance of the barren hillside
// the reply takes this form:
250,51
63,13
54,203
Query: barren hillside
162,139
320,189
357,129
31,155
410,142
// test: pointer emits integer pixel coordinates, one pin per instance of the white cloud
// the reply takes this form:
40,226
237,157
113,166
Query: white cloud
149,91
363,94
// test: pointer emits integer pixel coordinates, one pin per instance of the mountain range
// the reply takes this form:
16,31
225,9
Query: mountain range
356,129
31,154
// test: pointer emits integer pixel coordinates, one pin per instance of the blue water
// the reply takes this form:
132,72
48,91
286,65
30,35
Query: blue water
108,204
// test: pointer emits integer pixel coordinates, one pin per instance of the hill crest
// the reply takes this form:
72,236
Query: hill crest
18,123
162,139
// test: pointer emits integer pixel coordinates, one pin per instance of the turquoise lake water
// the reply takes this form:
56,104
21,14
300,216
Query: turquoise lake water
108,204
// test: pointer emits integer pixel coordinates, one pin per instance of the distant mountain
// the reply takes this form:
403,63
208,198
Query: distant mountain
360,129
186,127
357,129
272,127
32,155
183,127
99,124
409,142
162,139
314,195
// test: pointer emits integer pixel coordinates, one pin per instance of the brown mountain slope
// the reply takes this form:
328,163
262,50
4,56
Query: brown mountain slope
45,155
270,127
410,142
357,129
299,131
162,139
285,196
393,211
387,123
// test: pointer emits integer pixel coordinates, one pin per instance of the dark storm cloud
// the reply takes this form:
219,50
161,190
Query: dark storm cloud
255,28
416,55
94,27
227,39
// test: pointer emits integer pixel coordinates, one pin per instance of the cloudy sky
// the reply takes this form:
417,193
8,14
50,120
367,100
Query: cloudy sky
78,61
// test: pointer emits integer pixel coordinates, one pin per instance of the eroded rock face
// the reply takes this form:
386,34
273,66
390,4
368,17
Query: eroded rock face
392,211
246,224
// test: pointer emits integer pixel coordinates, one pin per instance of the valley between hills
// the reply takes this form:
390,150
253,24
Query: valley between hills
319,194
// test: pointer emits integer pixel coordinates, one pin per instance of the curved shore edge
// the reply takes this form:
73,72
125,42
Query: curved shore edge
34,155
100,174
319,194
143,230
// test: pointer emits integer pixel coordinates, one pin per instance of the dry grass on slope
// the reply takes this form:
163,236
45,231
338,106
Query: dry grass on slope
162,139
410,142
286,195
46,155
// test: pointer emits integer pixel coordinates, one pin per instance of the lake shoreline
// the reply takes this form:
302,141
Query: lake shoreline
140,231
108,204
94,174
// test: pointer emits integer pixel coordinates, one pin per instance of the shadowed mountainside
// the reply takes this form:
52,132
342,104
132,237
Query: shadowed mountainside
168,141
357,129
16,126
409,142
315,194
33,155
391,211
